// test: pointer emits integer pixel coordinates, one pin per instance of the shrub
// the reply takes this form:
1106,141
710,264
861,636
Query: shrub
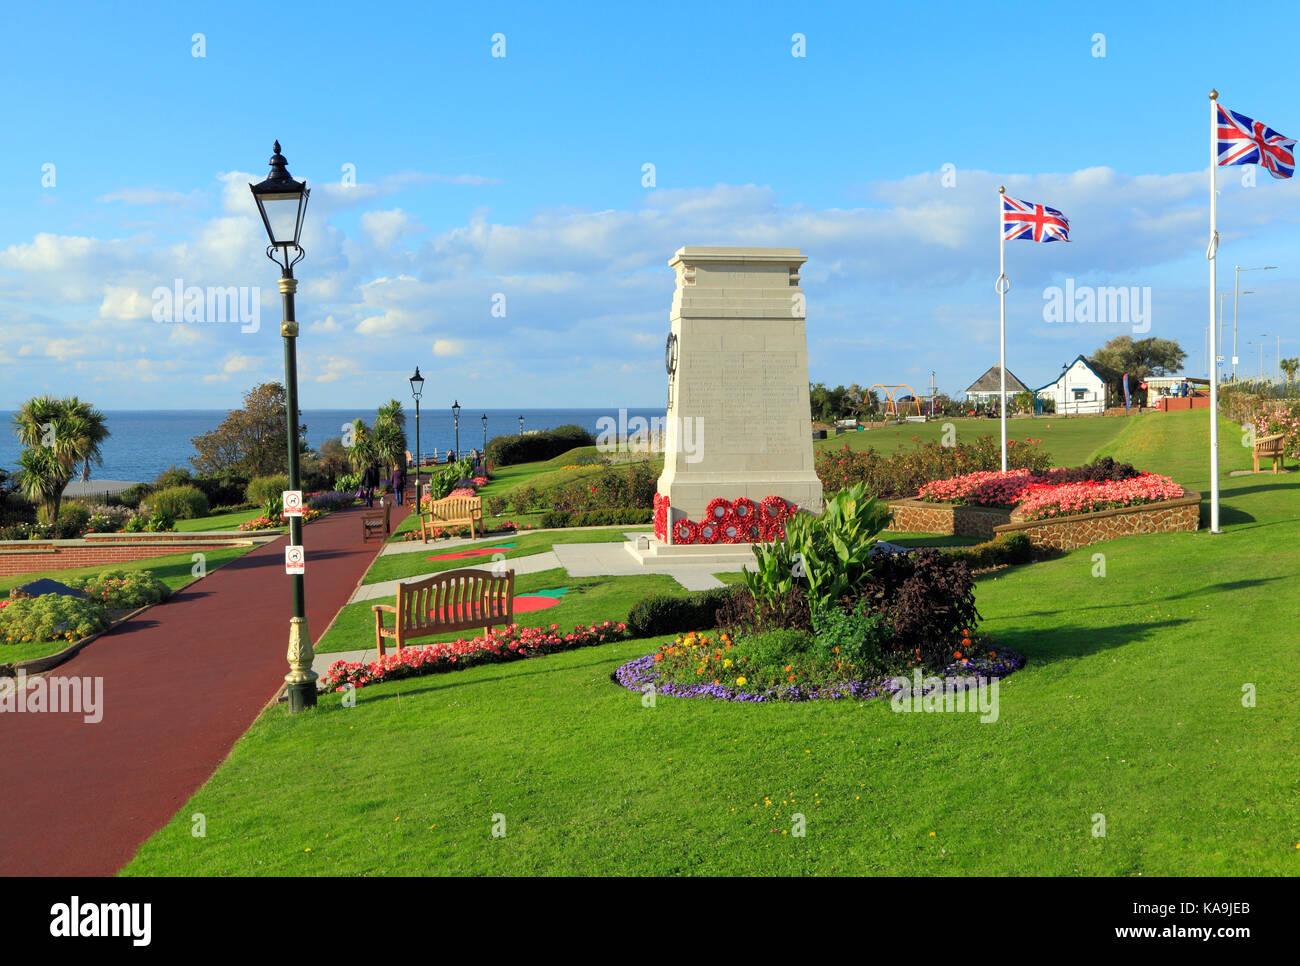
263,488
534,447
664,614
523,498
123,588
133,495
107,519
136,523
160,522
73,521
928,599
743,614
860,637
1099,470
348,482
333,500
172,477
553,519
51,617
224,490
178,503
496,505
1003,550
625,487
905,471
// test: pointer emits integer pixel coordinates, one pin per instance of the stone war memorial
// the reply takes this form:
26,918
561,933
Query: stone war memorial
738,456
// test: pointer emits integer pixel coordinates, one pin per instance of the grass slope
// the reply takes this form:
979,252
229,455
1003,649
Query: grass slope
1131,707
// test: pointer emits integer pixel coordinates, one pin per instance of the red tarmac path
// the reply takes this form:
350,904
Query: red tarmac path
181,683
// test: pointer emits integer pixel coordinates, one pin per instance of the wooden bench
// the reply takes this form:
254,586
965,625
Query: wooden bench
1269,448
454,601
452,511
377,523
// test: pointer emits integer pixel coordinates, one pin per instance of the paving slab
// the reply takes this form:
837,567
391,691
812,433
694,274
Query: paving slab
532,564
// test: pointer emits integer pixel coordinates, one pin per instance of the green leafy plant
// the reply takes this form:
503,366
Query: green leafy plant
263,488
858,636
178,502
664,614
51,617
122,588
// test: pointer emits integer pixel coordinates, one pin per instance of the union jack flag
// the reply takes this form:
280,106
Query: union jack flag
1243,140
1024,219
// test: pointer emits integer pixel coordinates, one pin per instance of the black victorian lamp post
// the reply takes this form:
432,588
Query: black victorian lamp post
455,416
282,202
485,440
521,425
417,388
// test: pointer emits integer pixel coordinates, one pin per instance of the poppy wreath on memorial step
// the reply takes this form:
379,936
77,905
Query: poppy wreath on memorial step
774,530
753,529
684,532
744,508
733,529
708,532
717,509
775,508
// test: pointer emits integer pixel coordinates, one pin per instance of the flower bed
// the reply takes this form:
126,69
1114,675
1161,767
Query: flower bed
1054,500
510,644
643,673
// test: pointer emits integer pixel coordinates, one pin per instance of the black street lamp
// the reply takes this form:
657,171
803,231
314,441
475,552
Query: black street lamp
417,388
455,415
521,425
282,202
485,440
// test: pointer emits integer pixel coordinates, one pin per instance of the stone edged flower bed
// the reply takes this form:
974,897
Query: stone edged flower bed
1058,533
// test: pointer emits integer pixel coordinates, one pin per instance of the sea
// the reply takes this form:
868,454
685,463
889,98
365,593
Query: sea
143,444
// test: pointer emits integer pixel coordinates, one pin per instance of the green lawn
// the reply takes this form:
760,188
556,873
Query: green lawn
1130,707
1071,441
175,571
221,521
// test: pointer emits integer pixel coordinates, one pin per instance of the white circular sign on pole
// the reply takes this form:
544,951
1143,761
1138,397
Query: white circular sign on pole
292,502
295,561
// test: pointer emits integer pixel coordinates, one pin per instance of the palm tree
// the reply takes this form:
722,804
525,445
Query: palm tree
57,435
362,451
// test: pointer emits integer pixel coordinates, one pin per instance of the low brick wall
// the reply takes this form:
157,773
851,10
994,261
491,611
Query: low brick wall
1082,529
919,516
40,556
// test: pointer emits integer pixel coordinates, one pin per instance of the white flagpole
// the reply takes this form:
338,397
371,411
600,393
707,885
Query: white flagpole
1211,253
1002,285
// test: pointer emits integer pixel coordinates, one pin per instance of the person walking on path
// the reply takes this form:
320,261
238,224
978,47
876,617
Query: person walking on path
370,480
398,480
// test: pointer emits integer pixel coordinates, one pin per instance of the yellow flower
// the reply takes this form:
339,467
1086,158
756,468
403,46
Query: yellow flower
740,682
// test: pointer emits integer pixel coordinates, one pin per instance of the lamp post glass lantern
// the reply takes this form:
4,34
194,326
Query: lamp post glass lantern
455,417
282,203
417,390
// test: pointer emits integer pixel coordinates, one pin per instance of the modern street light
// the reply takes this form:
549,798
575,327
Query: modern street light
485,439
1236,285
282,202
455,416
417,389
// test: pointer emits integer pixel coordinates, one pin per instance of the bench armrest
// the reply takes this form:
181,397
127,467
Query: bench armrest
386,608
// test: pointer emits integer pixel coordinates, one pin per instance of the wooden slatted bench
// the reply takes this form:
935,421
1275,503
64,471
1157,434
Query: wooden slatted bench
1269,448
454,601
376,523
452,511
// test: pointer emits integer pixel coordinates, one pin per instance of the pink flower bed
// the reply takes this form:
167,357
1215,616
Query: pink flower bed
1042,500
982,488
510,644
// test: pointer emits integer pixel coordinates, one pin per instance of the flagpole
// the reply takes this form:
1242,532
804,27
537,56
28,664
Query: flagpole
1211,253
1002,285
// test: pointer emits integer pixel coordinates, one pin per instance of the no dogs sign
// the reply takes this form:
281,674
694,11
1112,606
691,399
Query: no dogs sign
294,560
292,502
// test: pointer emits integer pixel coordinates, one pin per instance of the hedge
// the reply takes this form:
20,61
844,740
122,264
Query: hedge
663,614
536,447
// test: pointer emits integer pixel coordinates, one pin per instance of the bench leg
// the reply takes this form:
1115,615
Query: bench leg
379,638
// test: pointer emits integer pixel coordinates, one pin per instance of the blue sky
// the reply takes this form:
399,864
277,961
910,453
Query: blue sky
522,176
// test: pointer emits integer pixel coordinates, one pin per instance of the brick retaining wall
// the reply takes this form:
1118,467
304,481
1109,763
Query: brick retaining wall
919,516
40,556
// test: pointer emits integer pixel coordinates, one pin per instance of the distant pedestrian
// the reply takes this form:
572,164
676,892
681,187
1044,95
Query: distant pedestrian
398,480
451,456
370,480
